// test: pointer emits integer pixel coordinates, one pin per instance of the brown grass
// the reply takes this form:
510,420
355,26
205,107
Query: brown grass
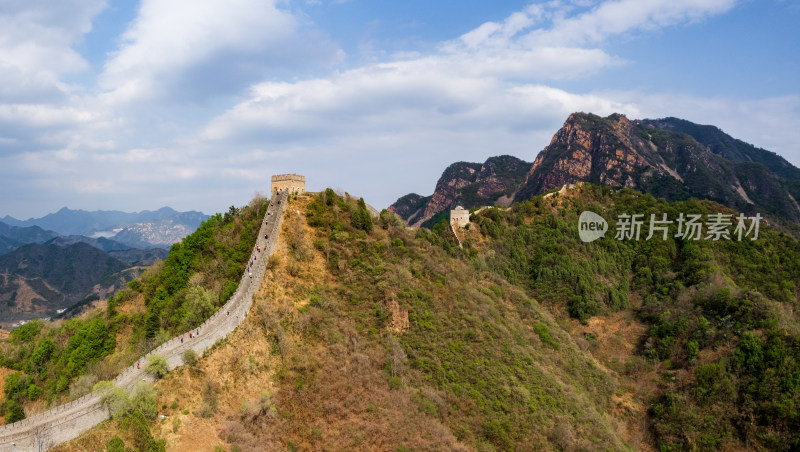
612,340
319,396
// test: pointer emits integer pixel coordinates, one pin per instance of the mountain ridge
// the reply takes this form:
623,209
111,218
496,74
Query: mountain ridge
68,221
470,184
671,158
144,229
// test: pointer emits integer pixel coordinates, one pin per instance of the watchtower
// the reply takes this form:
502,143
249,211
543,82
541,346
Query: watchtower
459,217
294,183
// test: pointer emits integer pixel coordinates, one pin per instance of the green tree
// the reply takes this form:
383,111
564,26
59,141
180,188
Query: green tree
199,306
34,391
361,217
157,366
15,384
144,399
91,342
143,439
14,411
114,398
41,354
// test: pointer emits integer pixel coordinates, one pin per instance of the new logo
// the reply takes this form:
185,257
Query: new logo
591,226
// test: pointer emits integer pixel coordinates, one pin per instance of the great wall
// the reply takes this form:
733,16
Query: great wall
65,422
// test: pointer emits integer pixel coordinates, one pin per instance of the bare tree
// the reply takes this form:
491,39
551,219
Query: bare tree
397,357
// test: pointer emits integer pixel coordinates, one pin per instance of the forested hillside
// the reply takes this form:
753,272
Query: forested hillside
721,346
367,335
47,363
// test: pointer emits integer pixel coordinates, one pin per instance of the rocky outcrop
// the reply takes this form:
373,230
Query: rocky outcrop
670,158
663,158
467,184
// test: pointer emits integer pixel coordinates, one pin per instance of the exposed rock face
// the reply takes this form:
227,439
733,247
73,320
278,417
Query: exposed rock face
663,157
409,205
455,177
467,184
670,158
161,233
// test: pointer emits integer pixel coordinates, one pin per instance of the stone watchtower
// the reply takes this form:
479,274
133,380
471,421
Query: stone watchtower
292,182
459,217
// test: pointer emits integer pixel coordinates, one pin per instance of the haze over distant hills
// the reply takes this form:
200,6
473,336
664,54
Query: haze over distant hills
161,227
670,158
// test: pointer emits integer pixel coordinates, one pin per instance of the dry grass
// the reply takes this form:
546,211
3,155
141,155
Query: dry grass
318,396
612,340
302,376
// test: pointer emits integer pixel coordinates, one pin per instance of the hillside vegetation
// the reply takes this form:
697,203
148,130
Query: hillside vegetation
53,362
721,336
367,335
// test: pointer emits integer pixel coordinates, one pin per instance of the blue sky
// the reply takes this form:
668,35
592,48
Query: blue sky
194,104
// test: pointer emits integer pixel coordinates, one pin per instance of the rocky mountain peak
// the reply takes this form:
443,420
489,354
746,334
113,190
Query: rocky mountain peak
671,158
465,183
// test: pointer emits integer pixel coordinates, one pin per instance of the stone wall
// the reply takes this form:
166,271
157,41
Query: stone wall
65,422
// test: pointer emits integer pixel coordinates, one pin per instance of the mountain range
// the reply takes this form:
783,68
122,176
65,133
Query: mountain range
65,258
147,228
670,158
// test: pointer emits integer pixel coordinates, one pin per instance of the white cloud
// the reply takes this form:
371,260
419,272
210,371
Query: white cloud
568,24
404,96
612,18
378,129
191,50
490,79
36,45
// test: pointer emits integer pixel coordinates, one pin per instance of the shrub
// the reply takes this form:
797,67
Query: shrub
14,412
115,444
209,404
157,366
143,439
113,397
143,399
190,357
544,334
34,392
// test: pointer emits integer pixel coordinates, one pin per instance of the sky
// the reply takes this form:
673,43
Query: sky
194,104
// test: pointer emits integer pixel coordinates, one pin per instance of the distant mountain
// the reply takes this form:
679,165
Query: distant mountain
670,158
161,233
41,271
143,229
12,237
126,253
466,184
140,258
38,278
100,243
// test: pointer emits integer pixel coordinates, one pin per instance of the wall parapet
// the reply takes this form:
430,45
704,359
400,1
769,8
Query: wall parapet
67,421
